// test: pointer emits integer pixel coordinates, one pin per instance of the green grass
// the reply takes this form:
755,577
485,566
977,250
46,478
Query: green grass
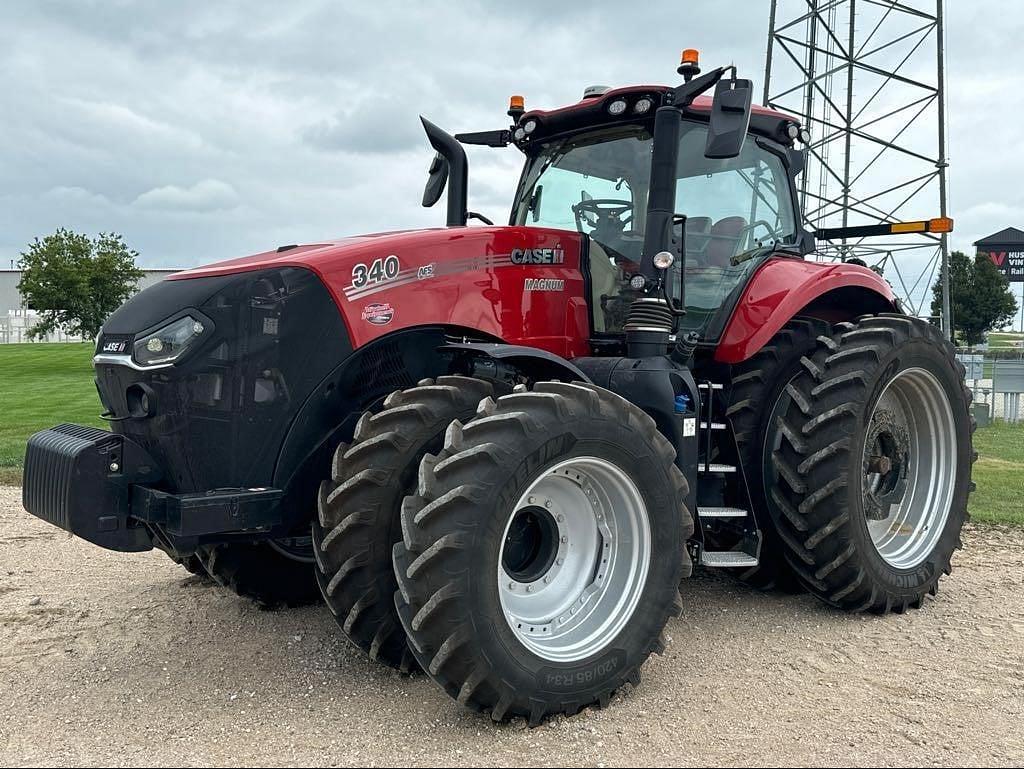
1002,340
42,385
999,473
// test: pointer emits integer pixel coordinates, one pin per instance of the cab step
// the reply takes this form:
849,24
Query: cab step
721,512
726,559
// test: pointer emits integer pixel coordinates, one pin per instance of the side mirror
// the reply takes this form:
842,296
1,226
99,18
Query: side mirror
730,119
436,180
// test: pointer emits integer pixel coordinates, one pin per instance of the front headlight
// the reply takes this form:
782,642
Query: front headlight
168,343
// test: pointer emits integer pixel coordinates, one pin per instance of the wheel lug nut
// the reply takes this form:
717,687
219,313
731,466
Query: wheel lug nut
547,580
561,518
564,540
511,585
560,561
532,500
548,504
529,588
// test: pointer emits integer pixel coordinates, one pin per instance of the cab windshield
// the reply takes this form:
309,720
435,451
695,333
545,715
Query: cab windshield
597,182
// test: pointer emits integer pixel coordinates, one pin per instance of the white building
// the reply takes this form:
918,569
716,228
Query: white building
16,319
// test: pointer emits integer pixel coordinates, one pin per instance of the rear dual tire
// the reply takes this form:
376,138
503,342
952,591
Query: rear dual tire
871,461
460,529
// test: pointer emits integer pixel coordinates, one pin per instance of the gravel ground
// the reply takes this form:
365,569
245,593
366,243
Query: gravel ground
109,659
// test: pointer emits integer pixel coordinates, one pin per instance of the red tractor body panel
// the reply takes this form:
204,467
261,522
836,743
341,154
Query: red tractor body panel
469,278
778,291
522,285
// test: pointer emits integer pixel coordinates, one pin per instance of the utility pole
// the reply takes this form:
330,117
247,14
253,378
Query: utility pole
941,165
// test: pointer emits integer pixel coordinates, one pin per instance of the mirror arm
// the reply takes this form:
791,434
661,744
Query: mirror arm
501,138
683,96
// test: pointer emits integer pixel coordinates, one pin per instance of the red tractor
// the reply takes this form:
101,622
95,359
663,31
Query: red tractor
513,442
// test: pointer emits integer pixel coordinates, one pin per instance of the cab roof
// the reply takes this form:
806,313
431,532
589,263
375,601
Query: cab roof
593,111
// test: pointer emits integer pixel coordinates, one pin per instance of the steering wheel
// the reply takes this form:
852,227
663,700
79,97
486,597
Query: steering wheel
749,229
603,212
744,256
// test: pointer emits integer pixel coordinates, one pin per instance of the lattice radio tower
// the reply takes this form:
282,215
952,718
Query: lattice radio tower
868,79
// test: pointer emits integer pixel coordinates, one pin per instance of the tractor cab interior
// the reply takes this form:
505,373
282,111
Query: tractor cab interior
597,181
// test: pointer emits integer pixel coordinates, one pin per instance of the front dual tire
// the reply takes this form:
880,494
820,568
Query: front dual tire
542,552
357,521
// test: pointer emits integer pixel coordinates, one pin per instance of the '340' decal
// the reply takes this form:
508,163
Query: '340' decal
379,270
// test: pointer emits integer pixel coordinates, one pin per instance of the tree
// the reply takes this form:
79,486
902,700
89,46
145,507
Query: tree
74,283
980,296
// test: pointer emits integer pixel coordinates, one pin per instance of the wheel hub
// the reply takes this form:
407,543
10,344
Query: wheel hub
530,545
886,463
574,559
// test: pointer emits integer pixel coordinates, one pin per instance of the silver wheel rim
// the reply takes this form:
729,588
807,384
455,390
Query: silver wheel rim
909,464
574,559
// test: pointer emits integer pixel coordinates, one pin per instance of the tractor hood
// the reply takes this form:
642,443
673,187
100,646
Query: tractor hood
306,255
481,279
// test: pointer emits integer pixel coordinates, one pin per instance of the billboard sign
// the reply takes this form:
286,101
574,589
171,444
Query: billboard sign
1009,260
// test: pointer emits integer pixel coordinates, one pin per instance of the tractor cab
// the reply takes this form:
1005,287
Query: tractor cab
729,213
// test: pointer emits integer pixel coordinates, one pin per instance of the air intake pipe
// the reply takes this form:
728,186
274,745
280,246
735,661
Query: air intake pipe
651,320
454,155
661,205
648,327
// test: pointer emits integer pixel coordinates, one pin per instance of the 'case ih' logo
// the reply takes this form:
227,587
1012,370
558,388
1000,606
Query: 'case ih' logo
115,347
538,255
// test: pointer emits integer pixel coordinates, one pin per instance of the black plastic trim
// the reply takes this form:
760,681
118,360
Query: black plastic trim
520,353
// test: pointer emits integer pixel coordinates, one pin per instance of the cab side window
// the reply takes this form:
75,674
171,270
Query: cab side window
732,206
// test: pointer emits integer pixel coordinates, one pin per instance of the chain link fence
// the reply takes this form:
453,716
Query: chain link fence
997,381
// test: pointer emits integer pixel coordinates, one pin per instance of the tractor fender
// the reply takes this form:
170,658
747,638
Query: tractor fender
330,412
537,363
396,361
785,287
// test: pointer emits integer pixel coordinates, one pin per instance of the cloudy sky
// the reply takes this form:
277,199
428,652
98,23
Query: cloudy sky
203,130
